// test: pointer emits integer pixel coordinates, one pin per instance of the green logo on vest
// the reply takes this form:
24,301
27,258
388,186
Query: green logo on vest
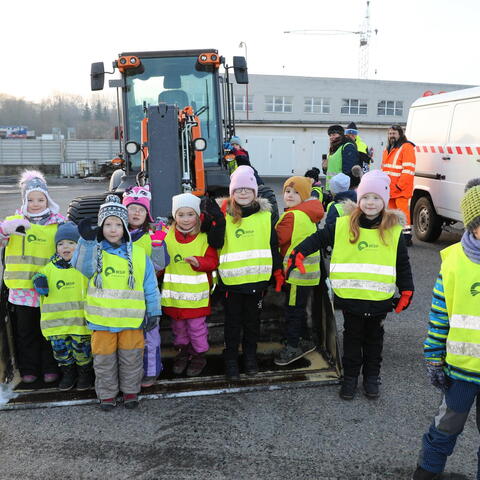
111,271
177,258
363,245
33,238
239,232
61,284
475,289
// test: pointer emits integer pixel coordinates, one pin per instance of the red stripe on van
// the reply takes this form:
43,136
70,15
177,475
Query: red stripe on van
417,148
469,150
449,150
432,149
478,150
440,149
425,149
459,149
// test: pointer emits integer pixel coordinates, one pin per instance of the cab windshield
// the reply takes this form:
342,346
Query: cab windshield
174,80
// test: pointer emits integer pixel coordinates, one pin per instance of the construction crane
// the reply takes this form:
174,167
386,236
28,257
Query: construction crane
365,33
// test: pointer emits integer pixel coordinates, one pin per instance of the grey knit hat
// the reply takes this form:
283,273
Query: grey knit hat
113,208
470,205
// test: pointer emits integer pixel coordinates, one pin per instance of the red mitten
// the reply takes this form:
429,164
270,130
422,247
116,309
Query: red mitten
279,279
159,236
295,260
404,301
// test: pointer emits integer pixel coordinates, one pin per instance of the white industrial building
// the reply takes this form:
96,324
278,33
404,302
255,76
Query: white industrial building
283,120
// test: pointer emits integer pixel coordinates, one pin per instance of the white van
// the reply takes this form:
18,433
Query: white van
446,131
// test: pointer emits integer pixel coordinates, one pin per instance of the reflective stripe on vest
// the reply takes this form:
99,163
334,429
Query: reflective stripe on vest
365,270
181,284
246,256
26,254
145,242
334,163
461,287
116,305
303,227
62,312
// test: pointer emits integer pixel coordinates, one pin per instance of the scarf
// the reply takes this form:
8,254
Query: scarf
335,144
471,246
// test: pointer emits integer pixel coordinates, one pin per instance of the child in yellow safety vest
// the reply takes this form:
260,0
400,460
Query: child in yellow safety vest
296,224
248,256
451,348
122,297
369,261
186,285
63,290
144,234
340,188
29,241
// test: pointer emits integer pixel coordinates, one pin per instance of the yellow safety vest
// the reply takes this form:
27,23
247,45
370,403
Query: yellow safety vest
182,286
365,270
145,242
25,255
62,311
461,286
320,193
335,163
115,304
303,227
361,145
338,207
246,256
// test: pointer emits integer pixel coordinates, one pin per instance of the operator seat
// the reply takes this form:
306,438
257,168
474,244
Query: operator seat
174,97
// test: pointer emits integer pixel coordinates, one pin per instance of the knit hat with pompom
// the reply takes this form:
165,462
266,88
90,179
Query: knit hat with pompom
470,205
34,181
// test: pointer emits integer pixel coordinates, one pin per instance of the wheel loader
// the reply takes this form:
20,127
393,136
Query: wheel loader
175,111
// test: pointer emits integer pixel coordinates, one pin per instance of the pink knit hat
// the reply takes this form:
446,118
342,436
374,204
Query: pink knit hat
243,177
375,181
138,196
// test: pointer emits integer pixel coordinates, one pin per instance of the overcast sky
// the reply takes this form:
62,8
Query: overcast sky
48,45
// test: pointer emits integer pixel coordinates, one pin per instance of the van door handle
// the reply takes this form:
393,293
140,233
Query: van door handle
445,158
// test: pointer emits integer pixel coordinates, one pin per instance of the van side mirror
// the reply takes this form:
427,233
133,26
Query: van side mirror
240,70
97,76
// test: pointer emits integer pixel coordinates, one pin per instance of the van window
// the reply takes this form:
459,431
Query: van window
430,124
465,124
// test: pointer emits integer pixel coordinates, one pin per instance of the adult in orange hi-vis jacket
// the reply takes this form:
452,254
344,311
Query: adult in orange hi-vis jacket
398,163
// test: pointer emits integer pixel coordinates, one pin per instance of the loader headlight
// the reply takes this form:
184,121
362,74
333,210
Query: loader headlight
132,148
199,144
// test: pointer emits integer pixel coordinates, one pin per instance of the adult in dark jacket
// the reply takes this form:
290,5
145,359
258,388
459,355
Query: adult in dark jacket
242,157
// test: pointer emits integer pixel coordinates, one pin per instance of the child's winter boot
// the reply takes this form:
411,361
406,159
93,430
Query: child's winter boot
422,474
232,371
148,381
370,386
349,386
181,360
85,377
196,365
250,361
69,377
130,400
107,404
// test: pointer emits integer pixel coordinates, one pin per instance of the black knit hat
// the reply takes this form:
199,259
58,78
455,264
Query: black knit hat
336,129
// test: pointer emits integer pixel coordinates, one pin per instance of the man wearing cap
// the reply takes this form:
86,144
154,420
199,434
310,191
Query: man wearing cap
351,132
242,157
398,163
342,155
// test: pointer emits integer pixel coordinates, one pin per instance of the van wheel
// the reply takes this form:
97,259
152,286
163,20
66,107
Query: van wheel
427,225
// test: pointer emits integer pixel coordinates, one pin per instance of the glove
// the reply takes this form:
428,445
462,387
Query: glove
10,227
437,376
279,279
295,260
158,237
402,303
151,322
211,213
86,230
40,284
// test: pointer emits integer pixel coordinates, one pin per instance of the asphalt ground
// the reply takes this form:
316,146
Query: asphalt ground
304,433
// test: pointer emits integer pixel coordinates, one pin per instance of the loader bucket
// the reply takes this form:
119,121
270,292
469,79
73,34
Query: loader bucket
320,367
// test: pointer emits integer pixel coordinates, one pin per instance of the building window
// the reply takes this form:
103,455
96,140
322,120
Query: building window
240,103
275,103
316,105
390,107
353,106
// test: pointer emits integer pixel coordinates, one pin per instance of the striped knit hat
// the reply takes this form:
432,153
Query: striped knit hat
113,208
470,205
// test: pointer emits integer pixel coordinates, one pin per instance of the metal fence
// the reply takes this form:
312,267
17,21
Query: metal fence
54,152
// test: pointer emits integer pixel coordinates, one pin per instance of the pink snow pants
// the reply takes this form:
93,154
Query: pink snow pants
192,331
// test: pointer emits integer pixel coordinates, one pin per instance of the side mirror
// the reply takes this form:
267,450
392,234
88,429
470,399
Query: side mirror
97,76
132,148
199,144
240,70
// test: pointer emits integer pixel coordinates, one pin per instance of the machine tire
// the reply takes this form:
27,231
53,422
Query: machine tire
427,225
267,192
85,207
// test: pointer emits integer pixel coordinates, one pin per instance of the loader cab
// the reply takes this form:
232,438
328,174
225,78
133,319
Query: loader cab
174,78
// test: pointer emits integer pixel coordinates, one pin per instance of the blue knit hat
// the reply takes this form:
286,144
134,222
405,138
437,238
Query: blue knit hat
67,231
236,140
